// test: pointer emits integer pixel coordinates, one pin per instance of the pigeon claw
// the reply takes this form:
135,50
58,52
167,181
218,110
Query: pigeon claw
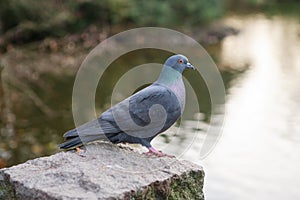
79,152
154,152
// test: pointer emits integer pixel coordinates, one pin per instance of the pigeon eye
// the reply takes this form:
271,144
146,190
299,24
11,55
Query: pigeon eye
180,61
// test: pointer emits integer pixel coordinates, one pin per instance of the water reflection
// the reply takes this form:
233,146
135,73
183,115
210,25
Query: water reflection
258,156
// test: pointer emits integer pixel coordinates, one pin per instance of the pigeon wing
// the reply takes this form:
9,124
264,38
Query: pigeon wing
149,111
133,116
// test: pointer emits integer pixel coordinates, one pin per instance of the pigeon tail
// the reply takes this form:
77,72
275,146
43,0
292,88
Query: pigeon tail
71,134
71,143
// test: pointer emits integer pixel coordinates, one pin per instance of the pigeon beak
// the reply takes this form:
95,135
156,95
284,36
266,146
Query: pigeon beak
190,66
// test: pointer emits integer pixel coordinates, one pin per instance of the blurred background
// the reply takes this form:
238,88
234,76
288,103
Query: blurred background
255,44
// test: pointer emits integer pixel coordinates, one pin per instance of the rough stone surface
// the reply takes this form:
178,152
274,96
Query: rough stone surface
104,171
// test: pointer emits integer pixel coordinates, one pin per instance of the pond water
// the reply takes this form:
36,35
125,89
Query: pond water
258,153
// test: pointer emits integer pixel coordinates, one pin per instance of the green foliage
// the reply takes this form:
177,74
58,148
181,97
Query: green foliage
34,20
28,20
16,12
269,7
78,14
174,12
148,13
13,11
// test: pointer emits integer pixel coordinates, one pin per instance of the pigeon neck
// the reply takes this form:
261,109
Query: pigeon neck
168,76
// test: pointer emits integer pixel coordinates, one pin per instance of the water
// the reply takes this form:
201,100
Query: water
258,154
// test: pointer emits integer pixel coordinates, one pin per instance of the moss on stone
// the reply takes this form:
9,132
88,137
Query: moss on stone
6,190
188,186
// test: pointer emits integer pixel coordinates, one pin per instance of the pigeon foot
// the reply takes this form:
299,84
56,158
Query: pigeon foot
153,151
80,152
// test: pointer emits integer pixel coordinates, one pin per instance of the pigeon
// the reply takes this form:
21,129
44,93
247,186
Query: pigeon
140,117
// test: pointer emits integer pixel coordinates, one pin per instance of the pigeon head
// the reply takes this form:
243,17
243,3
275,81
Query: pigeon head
179,63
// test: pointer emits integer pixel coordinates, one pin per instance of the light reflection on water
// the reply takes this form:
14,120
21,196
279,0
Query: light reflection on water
258,156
